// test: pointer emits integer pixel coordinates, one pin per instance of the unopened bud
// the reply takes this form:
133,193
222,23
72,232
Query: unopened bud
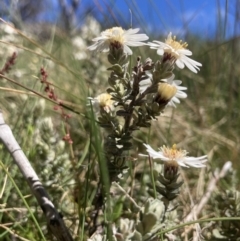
170,169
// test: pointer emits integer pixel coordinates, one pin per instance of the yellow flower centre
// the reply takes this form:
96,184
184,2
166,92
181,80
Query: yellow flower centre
176,44
116,34
166,91
173,153
105,100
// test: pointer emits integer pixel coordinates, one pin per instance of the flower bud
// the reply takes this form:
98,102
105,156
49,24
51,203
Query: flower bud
170,169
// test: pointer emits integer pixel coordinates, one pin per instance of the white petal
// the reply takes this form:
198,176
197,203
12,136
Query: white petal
175,82
191,64
154,154
131,31
160,51
175,99
171,103
137,37
181,87
158,43
93,47
196,161
184,52
135,43
182,164
180,64
127,50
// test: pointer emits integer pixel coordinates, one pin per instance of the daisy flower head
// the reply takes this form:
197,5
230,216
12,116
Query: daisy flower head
118,38
179,94
165,92
177,50
103,101
169,91
175,156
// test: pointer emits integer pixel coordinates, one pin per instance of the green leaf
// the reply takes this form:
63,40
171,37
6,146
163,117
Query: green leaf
117,210
117,69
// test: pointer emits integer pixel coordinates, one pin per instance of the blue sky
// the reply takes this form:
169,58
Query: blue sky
202,17
199,16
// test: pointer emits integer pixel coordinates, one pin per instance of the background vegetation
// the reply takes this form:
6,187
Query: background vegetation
207,122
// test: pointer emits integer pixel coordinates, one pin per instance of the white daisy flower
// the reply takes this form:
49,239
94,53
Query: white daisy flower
178,50
179,93
167,154
118,37
165,92
103,101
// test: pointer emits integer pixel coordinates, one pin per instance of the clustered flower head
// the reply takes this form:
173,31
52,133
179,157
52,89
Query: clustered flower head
118,38
168,89
179,94
165,92
176,156
176,50
104,101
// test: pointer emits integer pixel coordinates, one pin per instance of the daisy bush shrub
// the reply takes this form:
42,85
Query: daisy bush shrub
136,96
